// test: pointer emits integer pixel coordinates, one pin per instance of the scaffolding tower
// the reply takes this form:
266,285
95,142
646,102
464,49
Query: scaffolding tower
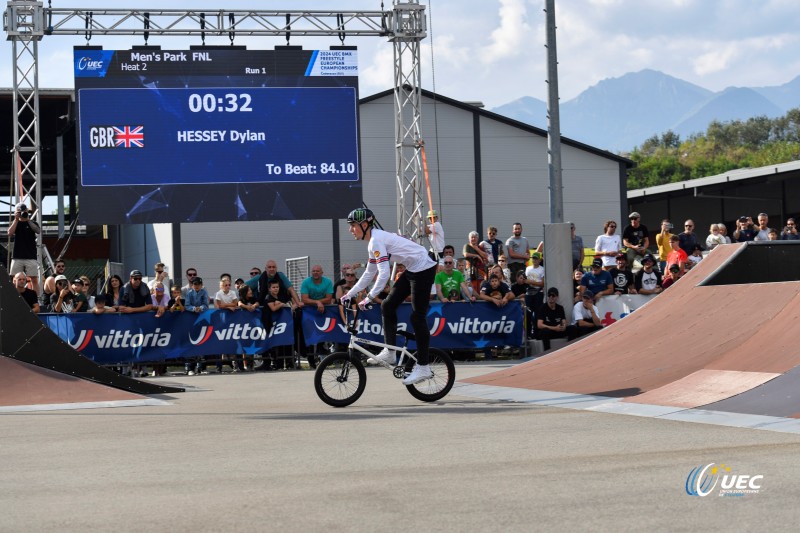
26,22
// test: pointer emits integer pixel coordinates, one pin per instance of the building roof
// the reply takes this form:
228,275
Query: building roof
730,176
504,119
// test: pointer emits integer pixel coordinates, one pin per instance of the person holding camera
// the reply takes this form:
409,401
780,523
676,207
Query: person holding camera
662,241
24,256
789,233
745,231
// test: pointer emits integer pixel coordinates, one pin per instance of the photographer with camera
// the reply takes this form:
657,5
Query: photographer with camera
745,231
789,232
24,256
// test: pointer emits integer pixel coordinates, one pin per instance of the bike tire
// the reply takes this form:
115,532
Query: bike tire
340,379
444,375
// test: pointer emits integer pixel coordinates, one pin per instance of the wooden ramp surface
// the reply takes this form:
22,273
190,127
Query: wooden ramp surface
747,328
25,384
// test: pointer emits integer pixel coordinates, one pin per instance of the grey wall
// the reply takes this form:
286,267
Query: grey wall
514,184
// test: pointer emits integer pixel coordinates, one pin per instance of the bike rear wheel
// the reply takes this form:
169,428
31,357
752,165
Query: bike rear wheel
444,375
340,379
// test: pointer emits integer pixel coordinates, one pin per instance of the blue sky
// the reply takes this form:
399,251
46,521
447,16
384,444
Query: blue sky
493,50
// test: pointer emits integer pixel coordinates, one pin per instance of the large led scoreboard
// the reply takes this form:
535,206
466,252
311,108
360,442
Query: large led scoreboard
216,134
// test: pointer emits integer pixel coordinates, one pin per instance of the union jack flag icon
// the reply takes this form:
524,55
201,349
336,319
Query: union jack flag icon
128,137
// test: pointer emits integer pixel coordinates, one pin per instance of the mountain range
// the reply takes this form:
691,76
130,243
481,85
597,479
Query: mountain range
619,114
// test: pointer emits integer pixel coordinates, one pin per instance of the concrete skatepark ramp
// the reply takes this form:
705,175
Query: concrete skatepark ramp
37,367
719,346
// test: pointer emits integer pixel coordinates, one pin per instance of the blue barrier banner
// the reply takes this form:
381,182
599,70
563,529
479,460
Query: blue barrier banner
117,338
452,325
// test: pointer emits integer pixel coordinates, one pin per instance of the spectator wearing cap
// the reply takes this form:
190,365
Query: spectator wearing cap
61,299
577,247
435,234
648,279
662,242
673,275
622,276
687,237
745,232
585,317
597,281
135,295
763,228
789,232
197,298
635,237
677,256
79,299
24,253
608,245
551,321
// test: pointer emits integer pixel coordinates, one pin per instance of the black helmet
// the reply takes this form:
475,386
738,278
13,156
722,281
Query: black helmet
361,214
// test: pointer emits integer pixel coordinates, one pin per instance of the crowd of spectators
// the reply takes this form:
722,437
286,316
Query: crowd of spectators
490,270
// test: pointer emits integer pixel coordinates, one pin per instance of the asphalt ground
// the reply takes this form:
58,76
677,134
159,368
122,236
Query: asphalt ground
260,452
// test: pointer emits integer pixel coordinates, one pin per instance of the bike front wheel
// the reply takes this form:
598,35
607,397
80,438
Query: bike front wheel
437,387
340,379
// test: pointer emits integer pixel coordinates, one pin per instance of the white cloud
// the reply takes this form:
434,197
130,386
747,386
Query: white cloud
507,39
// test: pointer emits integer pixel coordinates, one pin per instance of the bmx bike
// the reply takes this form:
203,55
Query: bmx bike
340,378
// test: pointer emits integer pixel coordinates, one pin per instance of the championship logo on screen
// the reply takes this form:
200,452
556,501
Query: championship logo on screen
116,136
92,63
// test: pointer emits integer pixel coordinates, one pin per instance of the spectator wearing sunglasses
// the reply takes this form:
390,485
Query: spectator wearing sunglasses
161,275
450,283
191,273
136,296
252,281
687,238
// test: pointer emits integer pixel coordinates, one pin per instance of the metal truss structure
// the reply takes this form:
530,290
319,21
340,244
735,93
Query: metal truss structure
26,22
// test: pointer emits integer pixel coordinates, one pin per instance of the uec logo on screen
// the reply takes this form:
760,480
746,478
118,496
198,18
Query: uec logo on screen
87,63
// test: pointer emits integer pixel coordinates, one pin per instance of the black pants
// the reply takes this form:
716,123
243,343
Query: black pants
580,331
545,335
418,285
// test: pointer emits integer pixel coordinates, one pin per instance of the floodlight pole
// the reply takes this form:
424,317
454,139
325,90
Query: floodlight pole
26,21
553,119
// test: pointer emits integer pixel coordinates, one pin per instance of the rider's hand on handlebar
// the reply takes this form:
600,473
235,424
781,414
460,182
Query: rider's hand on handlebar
365,303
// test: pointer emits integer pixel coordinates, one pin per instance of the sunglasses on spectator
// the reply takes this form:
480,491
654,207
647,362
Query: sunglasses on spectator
137,279
254,273
349,275
501,260
159,289
448,262
191,273
688,225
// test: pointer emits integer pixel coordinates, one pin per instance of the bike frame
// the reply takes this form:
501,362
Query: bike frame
356,344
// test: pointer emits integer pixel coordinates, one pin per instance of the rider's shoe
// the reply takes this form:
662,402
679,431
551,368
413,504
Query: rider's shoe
384,356
420,373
